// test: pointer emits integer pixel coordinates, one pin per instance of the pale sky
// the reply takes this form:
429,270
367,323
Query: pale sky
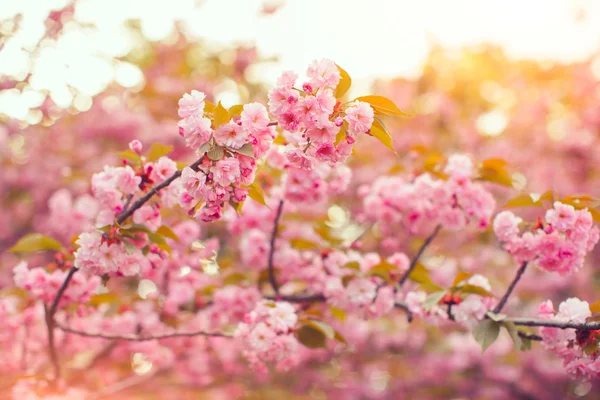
368,38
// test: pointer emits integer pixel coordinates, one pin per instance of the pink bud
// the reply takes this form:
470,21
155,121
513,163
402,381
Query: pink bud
307,88
339,121
136,146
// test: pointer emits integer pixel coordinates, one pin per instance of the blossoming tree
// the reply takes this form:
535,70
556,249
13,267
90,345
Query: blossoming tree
296,245
307,273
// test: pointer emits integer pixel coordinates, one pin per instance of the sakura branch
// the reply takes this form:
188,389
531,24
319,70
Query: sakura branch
271,268
145,198
420,252
138,338
511,287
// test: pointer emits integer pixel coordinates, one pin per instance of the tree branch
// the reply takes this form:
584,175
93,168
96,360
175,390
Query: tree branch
551,323
138,338
504,299
271,268
144,199
51,323
415,259
404,307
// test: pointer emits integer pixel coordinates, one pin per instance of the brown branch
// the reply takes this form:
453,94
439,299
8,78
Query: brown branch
551,323
404,307
504,299
271,268
415,259
138,338
313,298
142,200
51,323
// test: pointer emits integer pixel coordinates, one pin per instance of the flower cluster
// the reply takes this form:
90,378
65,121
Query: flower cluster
231,151
98,256
267,335
558,245
232,303
44,285
425,202
579,350
313,117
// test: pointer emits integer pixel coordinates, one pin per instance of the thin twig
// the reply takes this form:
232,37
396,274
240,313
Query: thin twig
504,299
404,307
138,338
415,259
271,268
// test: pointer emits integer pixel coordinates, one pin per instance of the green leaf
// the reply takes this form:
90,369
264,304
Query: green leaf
461,276
475,290
511,328
338,336
433,299
103,298
35,242
221,115
327,330
341,135
235,278
216,153
338,313
496,317
247,149
158,150
595,307
352,265
486,333
345,83
303,244
523,200
236,110
311,337
256,194
379,131
382,105
167,232
129,155
525,344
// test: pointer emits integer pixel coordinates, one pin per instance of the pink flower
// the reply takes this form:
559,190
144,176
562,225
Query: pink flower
360,117
226,171
127,180
136,146
326,152
261,337
506,226
323,73
254,118
459,166
196,131
149,216
574,310
231,134
208,213
282,317
361,291
193,181
562,217
192,104
300,159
